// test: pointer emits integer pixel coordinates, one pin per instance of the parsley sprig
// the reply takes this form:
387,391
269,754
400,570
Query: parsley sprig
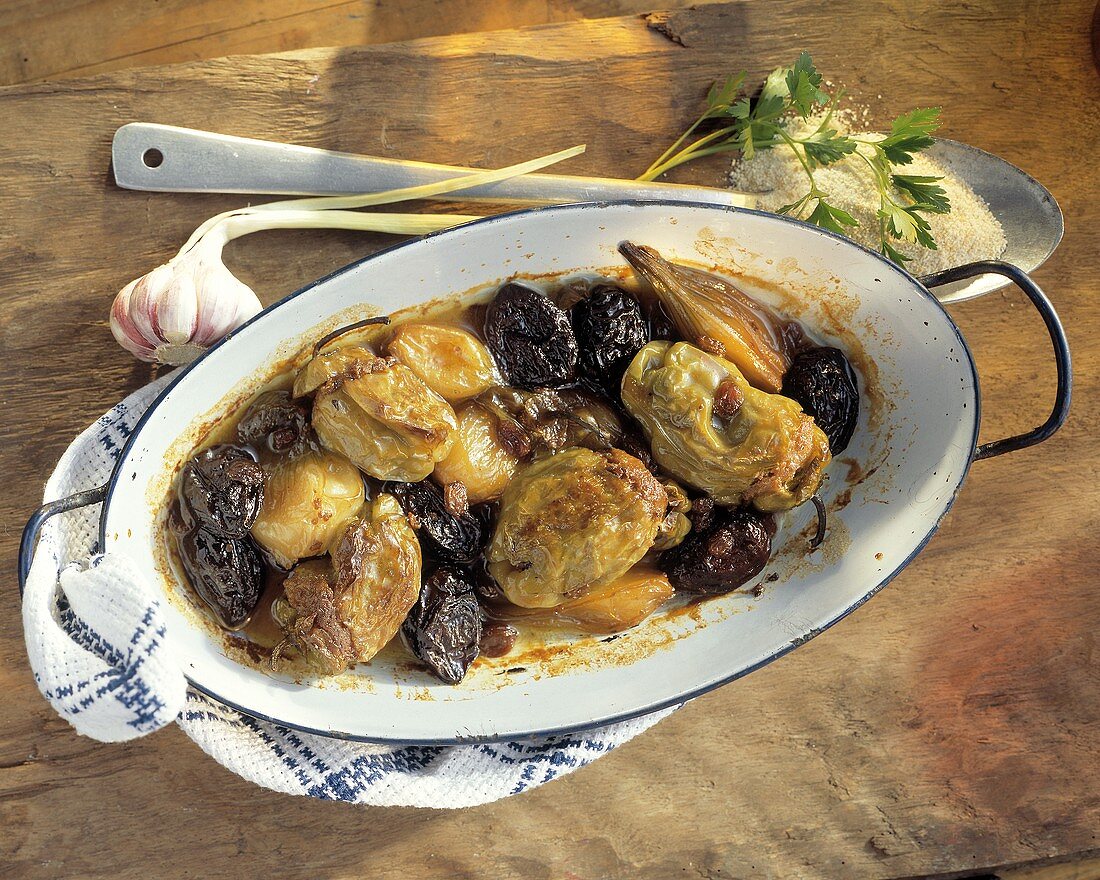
739,122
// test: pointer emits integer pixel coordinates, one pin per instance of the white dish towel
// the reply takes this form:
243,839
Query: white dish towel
99,650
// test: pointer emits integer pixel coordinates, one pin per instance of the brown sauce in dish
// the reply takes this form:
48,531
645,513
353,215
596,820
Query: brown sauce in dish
504,634
262,630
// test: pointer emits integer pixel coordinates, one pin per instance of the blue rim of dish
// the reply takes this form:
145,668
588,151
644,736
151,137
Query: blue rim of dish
648,709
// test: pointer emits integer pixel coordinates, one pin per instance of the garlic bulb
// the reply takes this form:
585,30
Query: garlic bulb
178,310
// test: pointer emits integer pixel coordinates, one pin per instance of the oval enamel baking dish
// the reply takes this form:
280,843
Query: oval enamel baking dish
916,439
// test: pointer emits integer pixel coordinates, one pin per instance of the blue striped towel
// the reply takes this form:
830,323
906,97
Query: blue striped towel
100,652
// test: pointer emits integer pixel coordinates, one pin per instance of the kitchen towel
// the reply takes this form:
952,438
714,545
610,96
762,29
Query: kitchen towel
100,653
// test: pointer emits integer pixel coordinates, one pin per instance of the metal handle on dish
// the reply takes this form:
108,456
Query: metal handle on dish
33,528
164,158
1057,333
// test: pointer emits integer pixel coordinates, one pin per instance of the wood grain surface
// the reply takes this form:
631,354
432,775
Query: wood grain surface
50,39
952,723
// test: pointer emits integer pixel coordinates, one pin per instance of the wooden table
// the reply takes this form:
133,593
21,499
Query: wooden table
950,725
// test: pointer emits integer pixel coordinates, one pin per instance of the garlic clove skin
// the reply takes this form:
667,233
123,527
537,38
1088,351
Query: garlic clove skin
126,332
177,311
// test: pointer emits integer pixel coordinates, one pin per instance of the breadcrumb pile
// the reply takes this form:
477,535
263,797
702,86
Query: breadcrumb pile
969,232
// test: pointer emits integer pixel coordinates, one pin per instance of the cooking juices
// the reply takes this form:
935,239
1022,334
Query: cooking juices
573,455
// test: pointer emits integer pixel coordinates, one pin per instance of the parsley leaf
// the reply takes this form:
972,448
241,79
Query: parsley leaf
906,223
832,218
721,95
826,146
795,207
803,85
892,253
775,86
924,191
750,123
910,133
740,110
760,128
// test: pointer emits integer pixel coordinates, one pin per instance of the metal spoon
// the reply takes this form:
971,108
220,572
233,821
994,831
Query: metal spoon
164,158
1029,214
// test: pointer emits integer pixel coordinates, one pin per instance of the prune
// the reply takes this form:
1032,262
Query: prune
488,590
446,536
530,338
610,330
635,443
443,628
660,324
702,513
497,638
822,380
226,572
734,548
222,488
277,422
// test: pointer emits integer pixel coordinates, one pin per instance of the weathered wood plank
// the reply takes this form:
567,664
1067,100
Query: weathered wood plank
951,723
52,39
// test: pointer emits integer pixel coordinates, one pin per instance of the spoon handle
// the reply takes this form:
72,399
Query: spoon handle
164,158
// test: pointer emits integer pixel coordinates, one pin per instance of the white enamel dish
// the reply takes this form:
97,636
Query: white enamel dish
887,493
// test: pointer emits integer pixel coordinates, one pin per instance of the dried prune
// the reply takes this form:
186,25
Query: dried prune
824,383
277,422
530,338
610,330
488,590
446,536
443,628
226,572
702,513
660,324
732,549
222,488
635,443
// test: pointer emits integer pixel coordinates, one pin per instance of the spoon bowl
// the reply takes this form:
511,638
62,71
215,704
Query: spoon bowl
1030,215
